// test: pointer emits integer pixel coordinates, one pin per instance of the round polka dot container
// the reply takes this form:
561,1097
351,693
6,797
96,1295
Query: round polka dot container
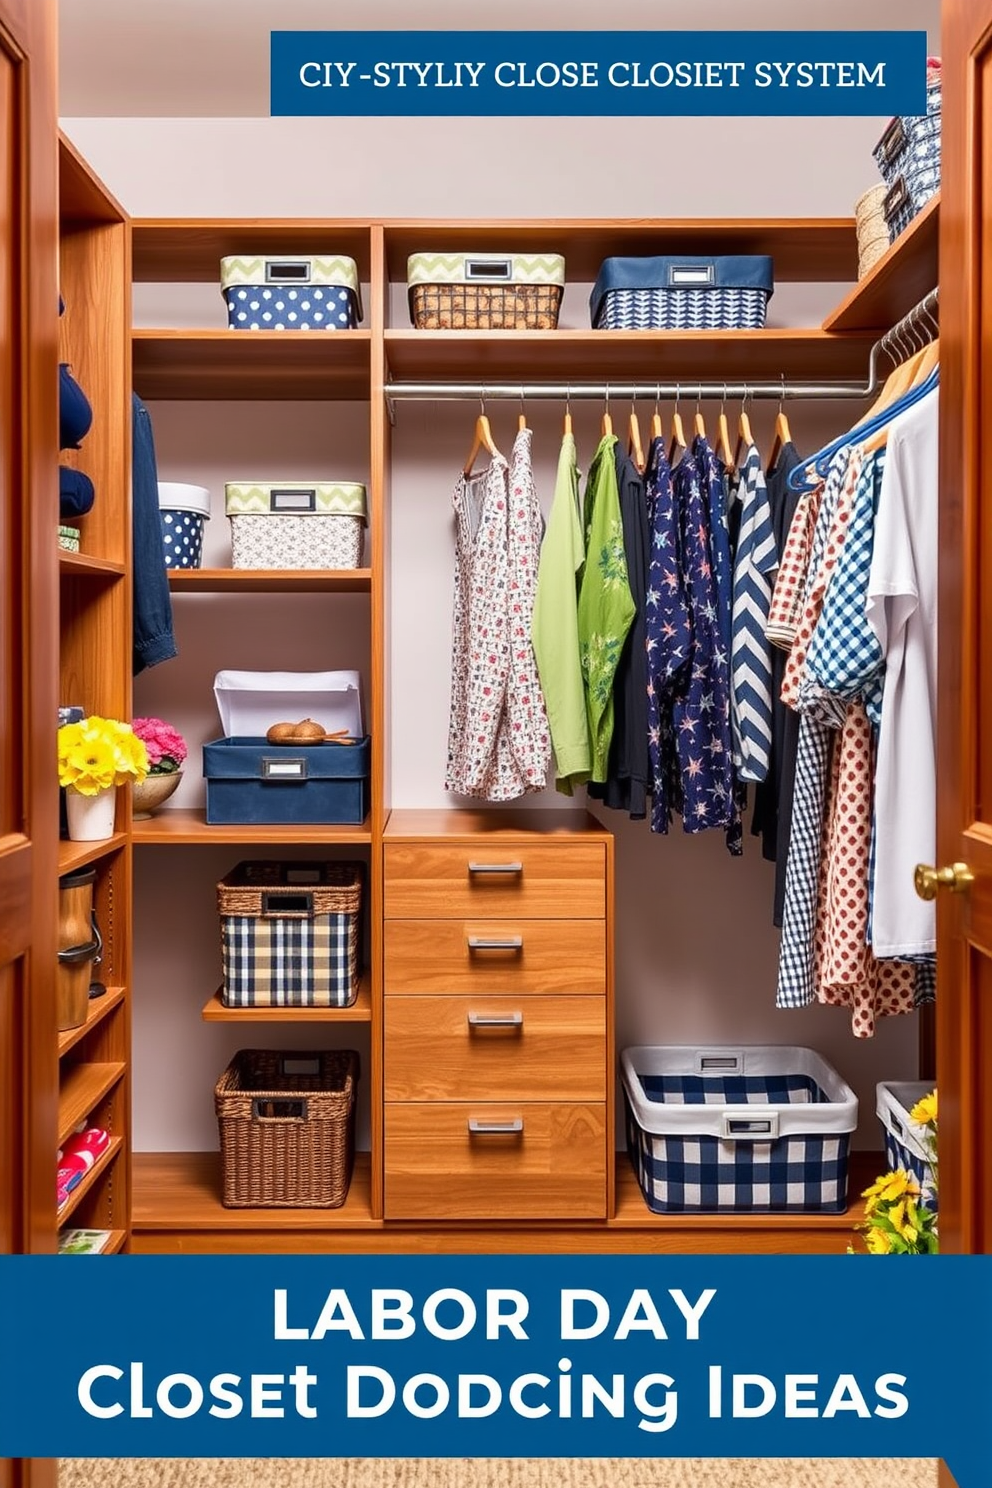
183,510
291,294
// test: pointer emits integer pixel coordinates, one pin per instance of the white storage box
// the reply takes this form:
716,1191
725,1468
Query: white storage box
183,510
905,1142
760,1129
296,524
252,782
293,293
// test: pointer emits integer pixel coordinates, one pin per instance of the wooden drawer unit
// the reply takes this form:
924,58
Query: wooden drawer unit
547,880
518,956
495,1048
495,1161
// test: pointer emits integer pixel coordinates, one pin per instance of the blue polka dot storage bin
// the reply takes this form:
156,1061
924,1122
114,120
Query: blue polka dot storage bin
183,510
291,294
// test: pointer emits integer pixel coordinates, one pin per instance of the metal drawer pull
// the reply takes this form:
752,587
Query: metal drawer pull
496,1020
495,1128
495,867
482,943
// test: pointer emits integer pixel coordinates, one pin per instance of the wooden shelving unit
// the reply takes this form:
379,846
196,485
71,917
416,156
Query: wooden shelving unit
95,663
183,826
270,581
99,1008
900,279
82,1090
176,1196
360,1011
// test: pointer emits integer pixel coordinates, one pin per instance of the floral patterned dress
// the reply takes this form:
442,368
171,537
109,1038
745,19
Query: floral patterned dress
499,743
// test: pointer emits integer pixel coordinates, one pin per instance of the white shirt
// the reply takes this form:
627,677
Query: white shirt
902,610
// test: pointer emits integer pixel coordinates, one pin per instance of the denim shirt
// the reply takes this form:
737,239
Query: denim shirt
153,637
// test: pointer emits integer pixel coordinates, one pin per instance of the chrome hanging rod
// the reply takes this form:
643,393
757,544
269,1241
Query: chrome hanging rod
914,330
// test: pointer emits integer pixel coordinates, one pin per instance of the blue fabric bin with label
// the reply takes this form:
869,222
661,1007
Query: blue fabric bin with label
687,293
251,782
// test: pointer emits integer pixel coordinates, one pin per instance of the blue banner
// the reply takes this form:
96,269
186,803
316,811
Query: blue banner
624,74
497,1356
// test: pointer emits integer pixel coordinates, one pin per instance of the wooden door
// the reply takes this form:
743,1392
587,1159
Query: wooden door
28,611
964,826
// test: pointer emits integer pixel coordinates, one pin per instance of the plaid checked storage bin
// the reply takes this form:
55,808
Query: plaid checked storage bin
287,1128
682,294
291,934
293,524
291,294
905,1142
485,291
762,1130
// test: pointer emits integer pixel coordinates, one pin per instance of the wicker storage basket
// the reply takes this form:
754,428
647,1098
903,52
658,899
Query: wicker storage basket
287,1128
873,230
292,524
291,934
485,292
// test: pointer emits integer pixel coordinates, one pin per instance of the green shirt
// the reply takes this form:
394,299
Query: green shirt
555,632
606,606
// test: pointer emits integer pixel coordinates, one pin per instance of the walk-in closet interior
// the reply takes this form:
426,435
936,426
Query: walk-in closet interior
514,943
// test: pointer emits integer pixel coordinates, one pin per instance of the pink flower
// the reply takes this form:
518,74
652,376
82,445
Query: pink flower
165,745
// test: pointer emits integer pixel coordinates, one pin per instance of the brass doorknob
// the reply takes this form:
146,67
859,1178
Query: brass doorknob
958,877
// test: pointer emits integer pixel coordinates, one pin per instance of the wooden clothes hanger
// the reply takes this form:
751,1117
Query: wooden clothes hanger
699,423
607,427
634,448
483,441
678,444
522,419
744,436
657,432
722,447
567,429
783,434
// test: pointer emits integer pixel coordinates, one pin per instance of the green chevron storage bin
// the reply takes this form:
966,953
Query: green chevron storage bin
688,293
485,291
291,294
296,524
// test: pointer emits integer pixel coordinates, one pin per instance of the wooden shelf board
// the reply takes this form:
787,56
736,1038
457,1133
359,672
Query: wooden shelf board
117,1242
625,356
824,250
77,854
412,823
360,1011
181,1190
184,825
83,198
99,1007
81,1090
81,564
188,250
265,365
95,1173
269,581
903,275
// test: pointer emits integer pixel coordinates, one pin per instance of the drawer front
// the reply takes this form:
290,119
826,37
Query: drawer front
518,956
550,880
495,1048
551,1166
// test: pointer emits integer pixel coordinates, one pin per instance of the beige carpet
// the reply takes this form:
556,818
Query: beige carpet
458,1472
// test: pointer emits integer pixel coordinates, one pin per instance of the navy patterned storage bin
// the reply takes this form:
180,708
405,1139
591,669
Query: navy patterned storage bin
290,934
762,1130
908,157
183,510
726,293
291,294
904,1140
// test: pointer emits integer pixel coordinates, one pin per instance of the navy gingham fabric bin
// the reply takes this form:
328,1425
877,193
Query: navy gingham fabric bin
290,934
737,1141
904,1140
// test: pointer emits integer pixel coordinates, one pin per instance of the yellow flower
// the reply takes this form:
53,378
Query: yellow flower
89,767
99,753
878,1242
924,1113
889,1188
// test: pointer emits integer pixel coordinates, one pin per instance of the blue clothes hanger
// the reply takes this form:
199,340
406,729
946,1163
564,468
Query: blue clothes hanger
799,480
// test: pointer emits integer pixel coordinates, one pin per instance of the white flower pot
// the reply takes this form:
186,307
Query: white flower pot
91,818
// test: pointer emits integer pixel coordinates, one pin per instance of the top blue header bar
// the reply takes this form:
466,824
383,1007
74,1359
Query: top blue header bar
619,74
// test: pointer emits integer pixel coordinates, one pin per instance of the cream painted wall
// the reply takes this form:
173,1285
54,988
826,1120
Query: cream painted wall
696,952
